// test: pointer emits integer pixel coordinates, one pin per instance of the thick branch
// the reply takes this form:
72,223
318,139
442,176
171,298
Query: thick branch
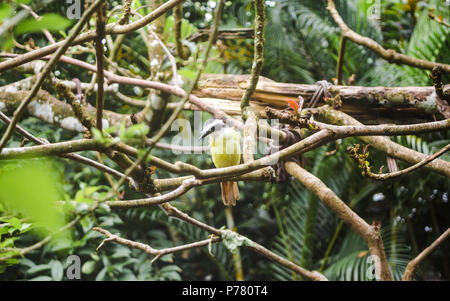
53,111
383,144
369,233
53,149
367,104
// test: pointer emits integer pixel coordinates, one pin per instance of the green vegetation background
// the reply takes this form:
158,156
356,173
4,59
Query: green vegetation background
301,47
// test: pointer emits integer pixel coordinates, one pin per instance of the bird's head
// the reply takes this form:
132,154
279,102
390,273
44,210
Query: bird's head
211,126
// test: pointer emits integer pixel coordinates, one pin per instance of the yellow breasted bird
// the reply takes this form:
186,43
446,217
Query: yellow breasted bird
225,147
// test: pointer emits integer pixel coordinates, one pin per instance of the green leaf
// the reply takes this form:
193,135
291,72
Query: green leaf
6,42
43,189
171,272
56,270
101,274
15,222
98,136
88,267
167,258
3,230
84,195
50,21
5,11
189,74
137,131
38,268
25,227
42,278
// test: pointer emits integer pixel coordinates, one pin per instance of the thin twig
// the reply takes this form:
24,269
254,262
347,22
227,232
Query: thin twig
439,19
47,34
99,50
179,108
388,54
126,12
258,56
178,20
385,176
148,249
71,156
182,189
412,265
174,212
166,50
340,62
111,29
46,71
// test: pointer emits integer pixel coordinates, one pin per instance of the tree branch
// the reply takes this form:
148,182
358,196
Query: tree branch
178,21
258,56
185,186
369,233
361,159
71,156
111,29
367,104
148,249
126,12
99,50
390,55
412,265
325,113
439,19
46,71
340,62
50,149
313,275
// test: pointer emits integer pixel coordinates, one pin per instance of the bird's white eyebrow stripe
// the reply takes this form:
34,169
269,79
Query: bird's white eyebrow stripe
214,123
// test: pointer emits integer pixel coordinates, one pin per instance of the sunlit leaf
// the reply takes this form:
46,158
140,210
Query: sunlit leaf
32,187
50,21
5,11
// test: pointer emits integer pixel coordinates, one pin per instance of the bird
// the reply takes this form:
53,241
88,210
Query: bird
225,148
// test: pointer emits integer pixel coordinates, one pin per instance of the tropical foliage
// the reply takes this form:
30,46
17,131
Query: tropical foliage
302,44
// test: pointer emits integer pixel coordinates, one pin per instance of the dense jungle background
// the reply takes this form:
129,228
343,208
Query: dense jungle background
302,44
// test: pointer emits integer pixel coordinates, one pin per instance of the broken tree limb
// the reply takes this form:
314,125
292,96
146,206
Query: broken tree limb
51,110
367,104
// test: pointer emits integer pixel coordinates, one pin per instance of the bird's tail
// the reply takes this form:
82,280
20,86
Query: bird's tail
230,193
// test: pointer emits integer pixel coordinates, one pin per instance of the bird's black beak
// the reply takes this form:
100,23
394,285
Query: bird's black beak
205,133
